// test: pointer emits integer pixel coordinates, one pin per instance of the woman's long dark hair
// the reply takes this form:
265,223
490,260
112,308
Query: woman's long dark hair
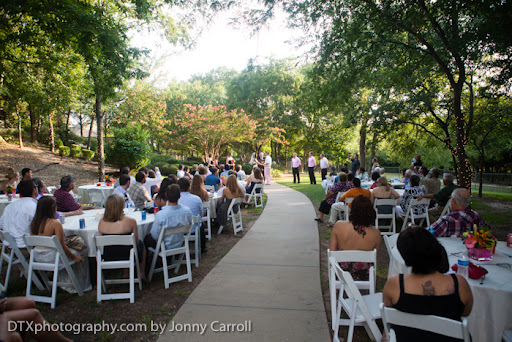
46,209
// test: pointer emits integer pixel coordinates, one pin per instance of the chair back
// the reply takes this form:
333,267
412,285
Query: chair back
338,196
435,324
447,208
410,212
51,189
115,240
390,202
369,257
257,186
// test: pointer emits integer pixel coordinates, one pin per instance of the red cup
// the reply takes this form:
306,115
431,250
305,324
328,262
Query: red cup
98,184
509,240
156,210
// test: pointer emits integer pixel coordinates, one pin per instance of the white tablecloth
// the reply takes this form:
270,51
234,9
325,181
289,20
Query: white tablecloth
4,202
72,226
84,195
492,300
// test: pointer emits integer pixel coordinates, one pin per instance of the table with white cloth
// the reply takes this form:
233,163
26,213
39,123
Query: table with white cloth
395,185
4,202
492,300
72,226
214,200
84,195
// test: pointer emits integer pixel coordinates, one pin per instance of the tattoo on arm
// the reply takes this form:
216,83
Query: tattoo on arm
428,289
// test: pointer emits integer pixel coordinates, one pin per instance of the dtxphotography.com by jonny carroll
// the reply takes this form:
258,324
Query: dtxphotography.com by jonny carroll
112,328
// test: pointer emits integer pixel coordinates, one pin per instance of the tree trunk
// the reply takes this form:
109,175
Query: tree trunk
99,135
372,151
52,141
362,143
33,124
67,124
81,123
91,126
463,167
481,176
20,133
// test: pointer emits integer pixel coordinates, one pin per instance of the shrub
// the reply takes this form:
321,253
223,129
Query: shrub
76,147
195,160
75,152
165,169
58,143
64,151
87,154
276,173
129,147
247,168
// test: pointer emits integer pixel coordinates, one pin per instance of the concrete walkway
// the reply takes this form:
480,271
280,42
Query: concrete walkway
269,282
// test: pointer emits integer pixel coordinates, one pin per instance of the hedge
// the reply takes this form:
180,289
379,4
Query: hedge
87,154
64,151
58,143
75,152
76,147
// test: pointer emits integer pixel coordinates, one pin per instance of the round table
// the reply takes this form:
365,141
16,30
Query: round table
4,202
84,195
492,300
72,226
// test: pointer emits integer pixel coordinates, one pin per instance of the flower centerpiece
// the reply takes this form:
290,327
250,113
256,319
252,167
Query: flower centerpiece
480,243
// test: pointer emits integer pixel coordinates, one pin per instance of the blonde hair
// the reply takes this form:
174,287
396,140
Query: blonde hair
114,208
384,182
232,185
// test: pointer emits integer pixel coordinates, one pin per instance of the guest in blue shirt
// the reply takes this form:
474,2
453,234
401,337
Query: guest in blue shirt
195,204
122,189
213,178
171,215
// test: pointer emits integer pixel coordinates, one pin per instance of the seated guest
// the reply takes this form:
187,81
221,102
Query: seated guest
383,190
255,178
171,215
161,196
138,192
223,172
213,179
375,177
352,193
341,186
26,173
361,174
240,174
65,201
180,172
381,171
431,183
44,224
187,173
41,189
125,170
197,188
195,204
230,192
13,177
23,310
423,172
411,192
203,171
122,190
151,180
407,176
18,215
356,234
442,197
114,222
427,291
461,218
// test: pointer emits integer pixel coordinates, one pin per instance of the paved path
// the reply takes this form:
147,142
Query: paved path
270,281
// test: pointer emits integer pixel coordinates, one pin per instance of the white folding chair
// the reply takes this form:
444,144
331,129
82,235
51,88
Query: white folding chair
346,210
13,256
410,212
207,218
162,252
361,310
61,262
236,218
255,195
436,324
447,208
390,242
350,256
76,197
51,189
195,238
96,197
132,264
329,181
385,202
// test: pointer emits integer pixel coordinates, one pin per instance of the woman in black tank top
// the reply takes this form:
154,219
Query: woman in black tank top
427,291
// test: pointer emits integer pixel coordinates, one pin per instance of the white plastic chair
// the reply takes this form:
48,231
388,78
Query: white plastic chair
436,324
390,242
350,256
76,197
207,218
61,262
388,202
162,252
410,212
132,264
346,210
236,218
254,195
329,182
447,208
51,189
361,310
12,255
195,238
96,197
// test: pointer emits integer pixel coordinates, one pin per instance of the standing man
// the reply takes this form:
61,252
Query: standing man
324,165
295,167
268,165
311,168
355,163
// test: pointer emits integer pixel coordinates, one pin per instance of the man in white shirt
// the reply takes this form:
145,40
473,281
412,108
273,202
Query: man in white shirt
122,189
125,170
18,215
180,172
268,165
240,174
324,165
151,181
295,167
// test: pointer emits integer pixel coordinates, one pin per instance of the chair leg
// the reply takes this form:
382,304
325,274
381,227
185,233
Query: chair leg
99,278
189,267
220,230
153,263
55,283
166,270
132,276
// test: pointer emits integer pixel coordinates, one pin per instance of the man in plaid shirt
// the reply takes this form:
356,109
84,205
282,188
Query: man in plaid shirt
460,219
138,193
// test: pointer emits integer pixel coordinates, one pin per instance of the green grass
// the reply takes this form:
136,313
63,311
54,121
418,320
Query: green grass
500,195
315,192
492,214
